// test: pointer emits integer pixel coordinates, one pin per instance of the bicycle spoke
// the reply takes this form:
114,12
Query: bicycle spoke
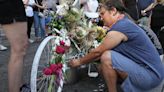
43,84
39,81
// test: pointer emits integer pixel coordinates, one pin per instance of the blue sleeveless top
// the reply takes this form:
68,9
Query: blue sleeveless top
138,47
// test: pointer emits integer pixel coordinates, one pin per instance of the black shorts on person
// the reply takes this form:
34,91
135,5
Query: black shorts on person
12,11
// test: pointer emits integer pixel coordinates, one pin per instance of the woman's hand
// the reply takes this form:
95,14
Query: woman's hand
74,63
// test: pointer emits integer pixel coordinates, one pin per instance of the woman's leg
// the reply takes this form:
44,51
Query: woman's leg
29,25
135,74
17,36
109,73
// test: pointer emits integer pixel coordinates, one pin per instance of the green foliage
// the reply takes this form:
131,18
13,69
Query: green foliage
66,21
57,22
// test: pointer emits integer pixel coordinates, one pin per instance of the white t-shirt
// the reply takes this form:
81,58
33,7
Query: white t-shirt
29,9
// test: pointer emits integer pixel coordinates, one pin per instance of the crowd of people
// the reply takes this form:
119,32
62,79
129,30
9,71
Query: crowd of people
125,47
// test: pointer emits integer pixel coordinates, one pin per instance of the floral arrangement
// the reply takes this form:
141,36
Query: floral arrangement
60,47
54,69
65,17
68,22
101,32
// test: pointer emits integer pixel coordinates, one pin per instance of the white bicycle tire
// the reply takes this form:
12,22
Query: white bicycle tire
33,81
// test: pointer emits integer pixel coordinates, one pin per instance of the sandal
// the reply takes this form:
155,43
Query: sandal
25,88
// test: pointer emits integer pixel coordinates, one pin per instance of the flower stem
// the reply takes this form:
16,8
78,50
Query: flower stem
51,83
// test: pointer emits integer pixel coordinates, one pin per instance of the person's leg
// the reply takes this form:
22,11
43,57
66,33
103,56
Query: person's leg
29,25
17,36
47,21
108,72
36,25
42,26
135,74
30,22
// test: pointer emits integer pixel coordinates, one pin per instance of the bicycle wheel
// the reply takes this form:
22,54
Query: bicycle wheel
39,81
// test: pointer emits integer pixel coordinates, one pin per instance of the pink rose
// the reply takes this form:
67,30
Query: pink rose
47,71
62,42
60,50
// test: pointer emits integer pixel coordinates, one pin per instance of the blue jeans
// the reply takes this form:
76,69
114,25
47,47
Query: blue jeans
48,19
39,23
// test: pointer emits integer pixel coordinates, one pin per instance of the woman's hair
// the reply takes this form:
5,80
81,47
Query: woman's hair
110,4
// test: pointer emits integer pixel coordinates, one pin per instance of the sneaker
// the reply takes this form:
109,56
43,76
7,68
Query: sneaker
2,48
30,40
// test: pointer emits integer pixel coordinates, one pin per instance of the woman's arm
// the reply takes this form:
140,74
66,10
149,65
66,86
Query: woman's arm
25,2
111,40
40,6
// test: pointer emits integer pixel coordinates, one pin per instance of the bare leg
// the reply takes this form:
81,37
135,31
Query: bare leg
17,36
109,73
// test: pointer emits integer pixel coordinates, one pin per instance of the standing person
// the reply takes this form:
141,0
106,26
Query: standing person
29,13
157,18
132,10
50,7
126,52
13,21
39,21
145,9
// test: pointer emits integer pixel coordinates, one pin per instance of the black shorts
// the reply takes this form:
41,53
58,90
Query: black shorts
12,11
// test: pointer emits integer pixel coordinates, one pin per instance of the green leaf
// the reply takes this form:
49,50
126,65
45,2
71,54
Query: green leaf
58,59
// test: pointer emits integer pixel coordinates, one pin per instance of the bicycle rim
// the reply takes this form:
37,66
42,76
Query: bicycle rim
39,81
